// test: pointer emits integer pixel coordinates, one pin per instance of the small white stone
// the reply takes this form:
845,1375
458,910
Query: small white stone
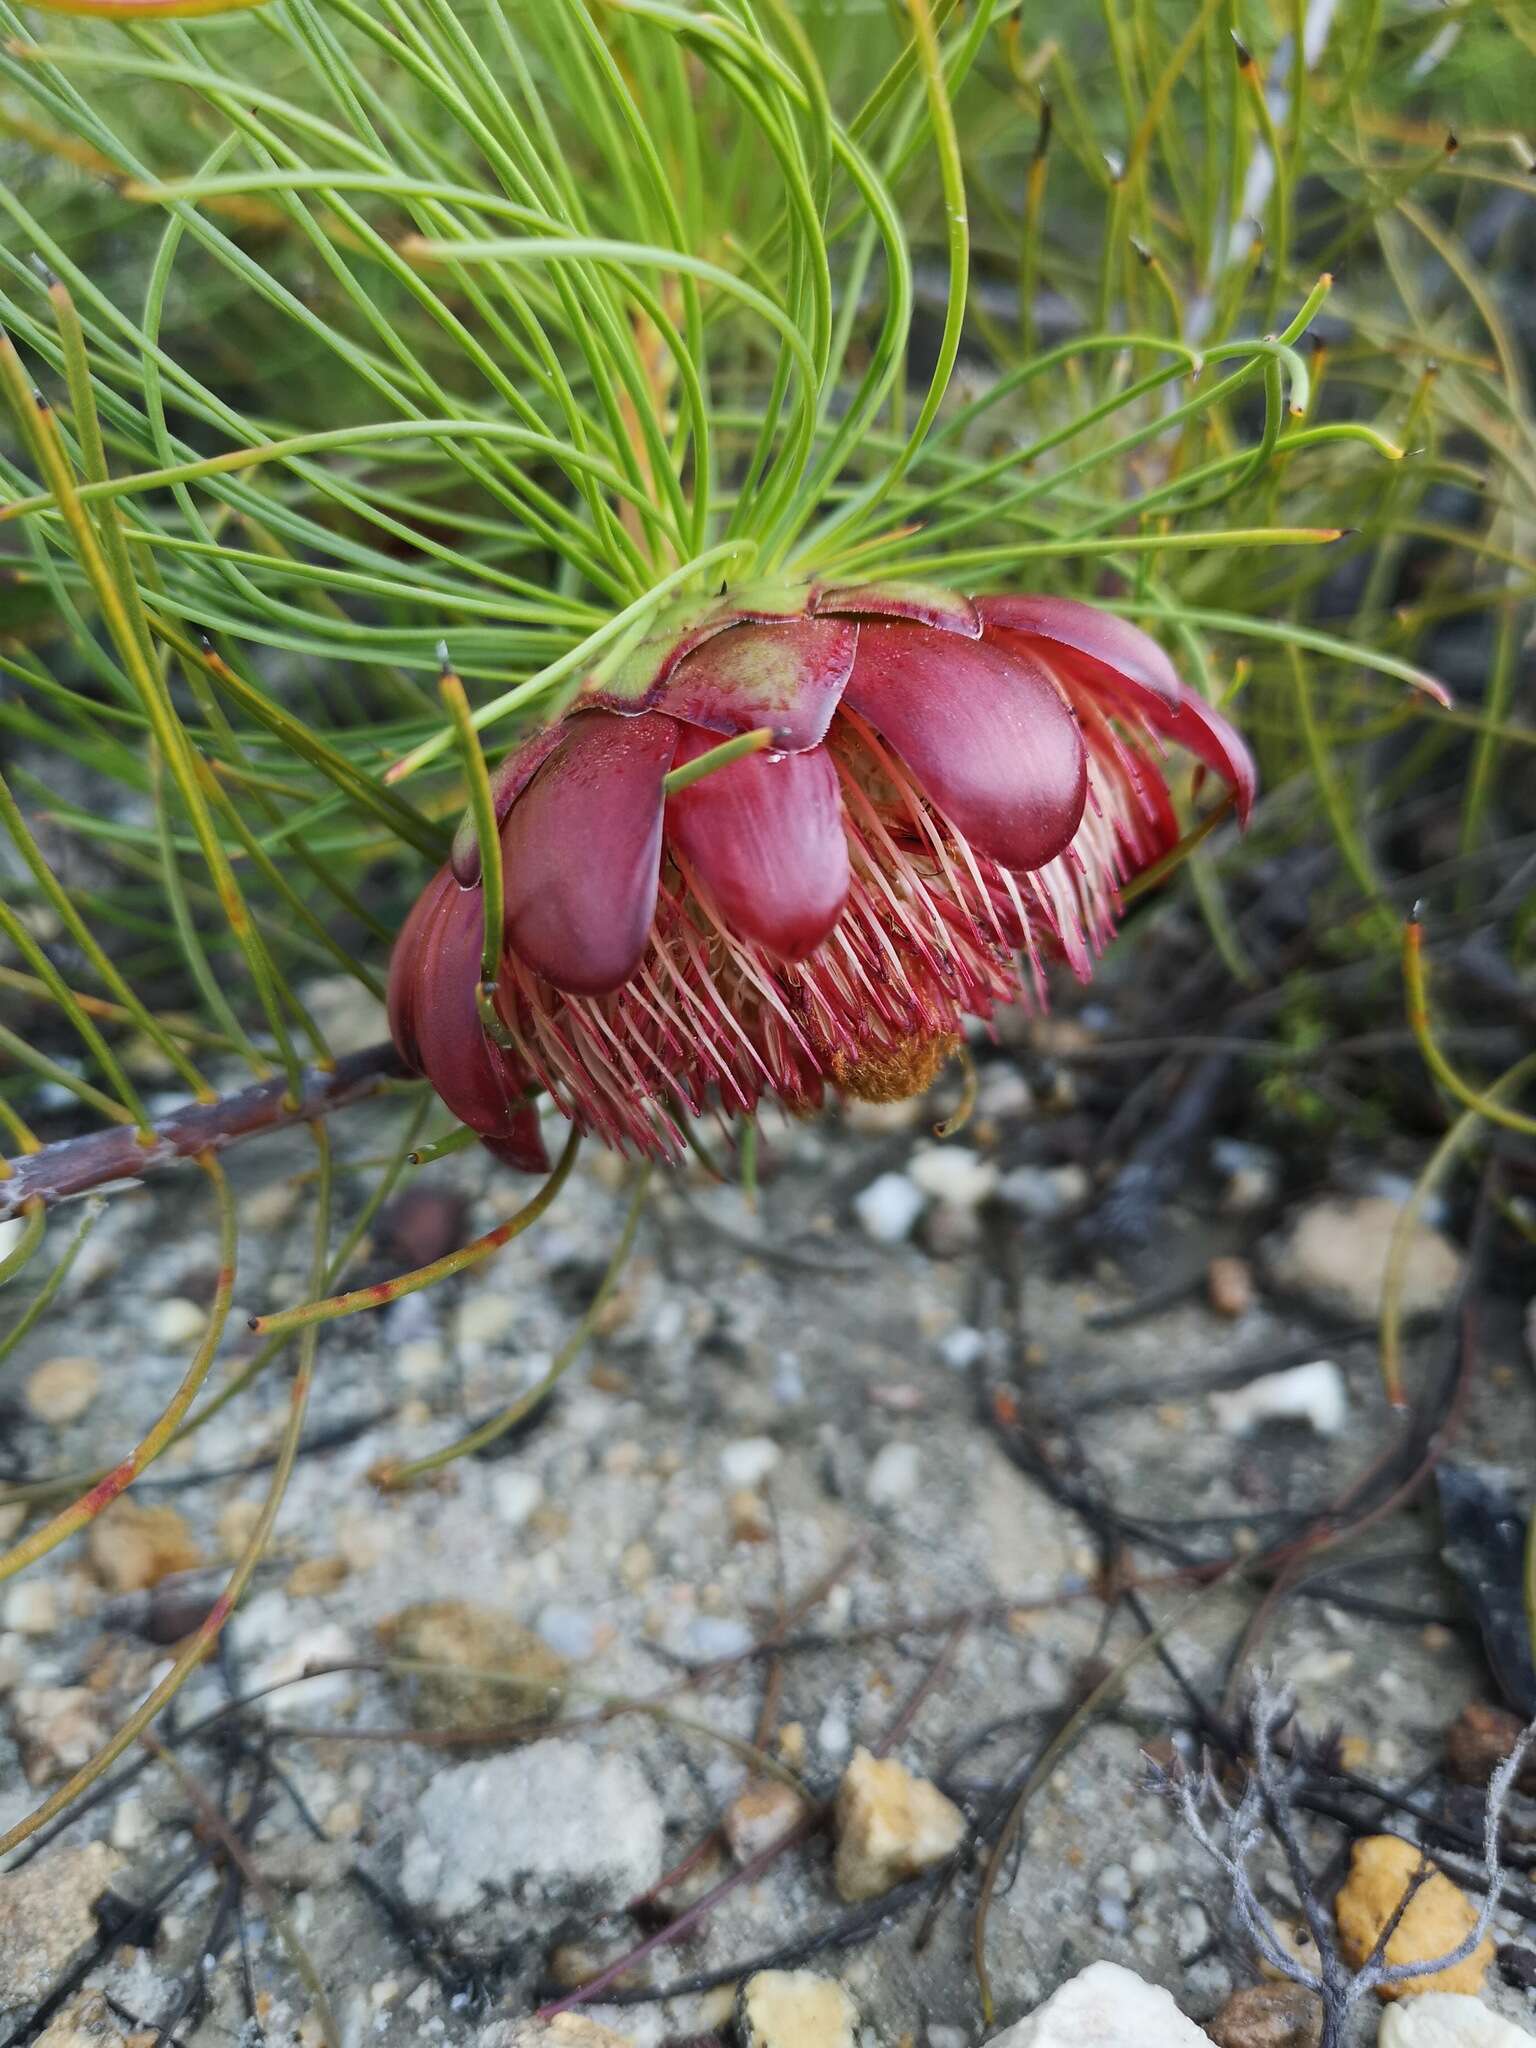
515,1495
892,1477
760,1814
888,1207
177,1321
58,1728
570,1630
32,1607
1004,1091
953,1174
133,1825
421,1361
834,1737
1314,1394
748,1461
1440,2019
1251,1172
961,1348
711,1636
788,1381
669,1323
1191,1928
315,1647
484,1318
1105,2006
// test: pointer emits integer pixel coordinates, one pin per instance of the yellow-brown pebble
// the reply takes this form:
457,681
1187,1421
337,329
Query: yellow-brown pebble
132,1548
890,1825
1436,1919
62,1389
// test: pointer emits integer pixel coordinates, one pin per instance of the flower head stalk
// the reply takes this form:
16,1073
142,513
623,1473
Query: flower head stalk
954,793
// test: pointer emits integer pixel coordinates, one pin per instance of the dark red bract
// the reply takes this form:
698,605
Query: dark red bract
955,794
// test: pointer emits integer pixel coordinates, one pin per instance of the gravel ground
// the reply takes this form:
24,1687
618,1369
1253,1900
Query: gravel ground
783,1427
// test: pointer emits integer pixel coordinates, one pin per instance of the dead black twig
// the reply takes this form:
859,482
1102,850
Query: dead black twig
1268,1803
1126,1212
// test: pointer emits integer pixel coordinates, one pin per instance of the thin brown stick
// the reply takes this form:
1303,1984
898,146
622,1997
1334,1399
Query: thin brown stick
210,1818
74,1166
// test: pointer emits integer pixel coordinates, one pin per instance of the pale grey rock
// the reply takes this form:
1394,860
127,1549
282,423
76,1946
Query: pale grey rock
554,1824
46,1918
748,1461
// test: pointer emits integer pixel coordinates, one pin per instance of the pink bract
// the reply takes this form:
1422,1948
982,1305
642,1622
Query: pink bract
954,795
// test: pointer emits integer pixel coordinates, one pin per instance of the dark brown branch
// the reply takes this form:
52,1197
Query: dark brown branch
75,1166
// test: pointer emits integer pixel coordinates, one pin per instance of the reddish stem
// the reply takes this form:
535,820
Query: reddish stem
74,1166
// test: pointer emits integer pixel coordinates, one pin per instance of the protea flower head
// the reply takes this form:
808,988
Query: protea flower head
953,795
